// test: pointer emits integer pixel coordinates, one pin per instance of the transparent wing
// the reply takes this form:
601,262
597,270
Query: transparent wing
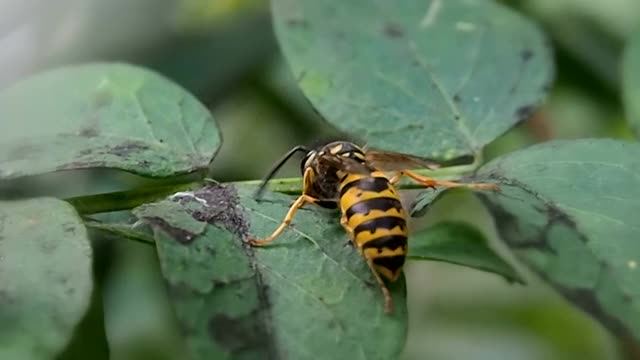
393,161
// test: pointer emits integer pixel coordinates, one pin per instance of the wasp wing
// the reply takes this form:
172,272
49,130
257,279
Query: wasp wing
394,161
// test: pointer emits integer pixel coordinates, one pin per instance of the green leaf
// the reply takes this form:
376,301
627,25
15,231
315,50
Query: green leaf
459,243
432,78
45,277
103,115
631,82
307,295
569,210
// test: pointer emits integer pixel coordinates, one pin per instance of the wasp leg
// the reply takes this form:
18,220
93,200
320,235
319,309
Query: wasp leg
388,301
431,182
303,199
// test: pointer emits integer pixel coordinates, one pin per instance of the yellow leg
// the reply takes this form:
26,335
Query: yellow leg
431,182
388,301
303,199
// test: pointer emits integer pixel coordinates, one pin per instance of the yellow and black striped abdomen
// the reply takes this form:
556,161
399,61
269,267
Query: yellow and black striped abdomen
376,219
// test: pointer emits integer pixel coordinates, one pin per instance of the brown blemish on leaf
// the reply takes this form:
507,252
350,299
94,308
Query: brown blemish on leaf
218,205
180,235
525,112
526,55
221,208
393,31
240,335
127,149
297,22
508,227
88,132
587,300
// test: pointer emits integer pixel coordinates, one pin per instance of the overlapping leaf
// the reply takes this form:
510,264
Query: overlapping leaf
570,211
432,78
45,277
103,115
459,243
307,295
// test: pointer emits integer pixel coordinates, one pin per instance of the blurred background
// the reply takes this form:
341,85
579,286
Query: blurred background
224,52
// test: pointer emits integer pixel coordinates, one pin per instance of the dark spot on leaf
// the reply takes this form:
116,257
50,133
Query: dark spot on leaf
248,335
127,149
88,132
456,117
526,55
239,335
69,228
587,300
509,228
180,235
297,22
85,152
393,30
221,208
525,112
81,165
6,298
48,247
457,98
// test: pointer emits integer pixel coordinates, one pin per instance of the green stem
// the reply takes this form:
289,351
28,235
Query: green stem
293,186
126,200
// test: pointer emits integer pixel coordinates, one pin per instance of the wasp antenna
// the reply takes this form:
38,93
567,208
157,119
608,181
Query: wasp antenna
277,167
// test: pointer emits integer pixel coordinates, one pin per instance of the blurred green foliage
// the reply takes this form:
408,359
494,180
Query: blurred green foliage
224,52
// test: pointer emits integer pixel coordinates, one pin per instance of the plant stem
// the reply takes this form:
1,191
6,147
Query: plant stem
126,200
293,186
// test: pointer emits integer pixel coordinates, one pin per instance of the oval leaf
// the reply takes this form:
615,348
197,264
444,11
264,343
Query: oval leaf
569,209
307,295
631,82
460,244
45,277
103,115
431,78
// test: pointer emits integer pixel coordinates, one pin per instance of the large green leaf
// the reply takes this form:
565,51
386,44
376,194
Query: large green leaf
437,78
45,277
103,115
306,296
570,211
631,82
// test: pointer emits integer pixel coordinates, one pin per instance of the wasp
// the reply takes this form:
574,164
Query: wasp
342,174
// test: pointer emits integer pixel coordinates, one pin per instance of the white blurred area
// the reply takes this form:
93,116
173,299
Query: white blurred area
37,34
